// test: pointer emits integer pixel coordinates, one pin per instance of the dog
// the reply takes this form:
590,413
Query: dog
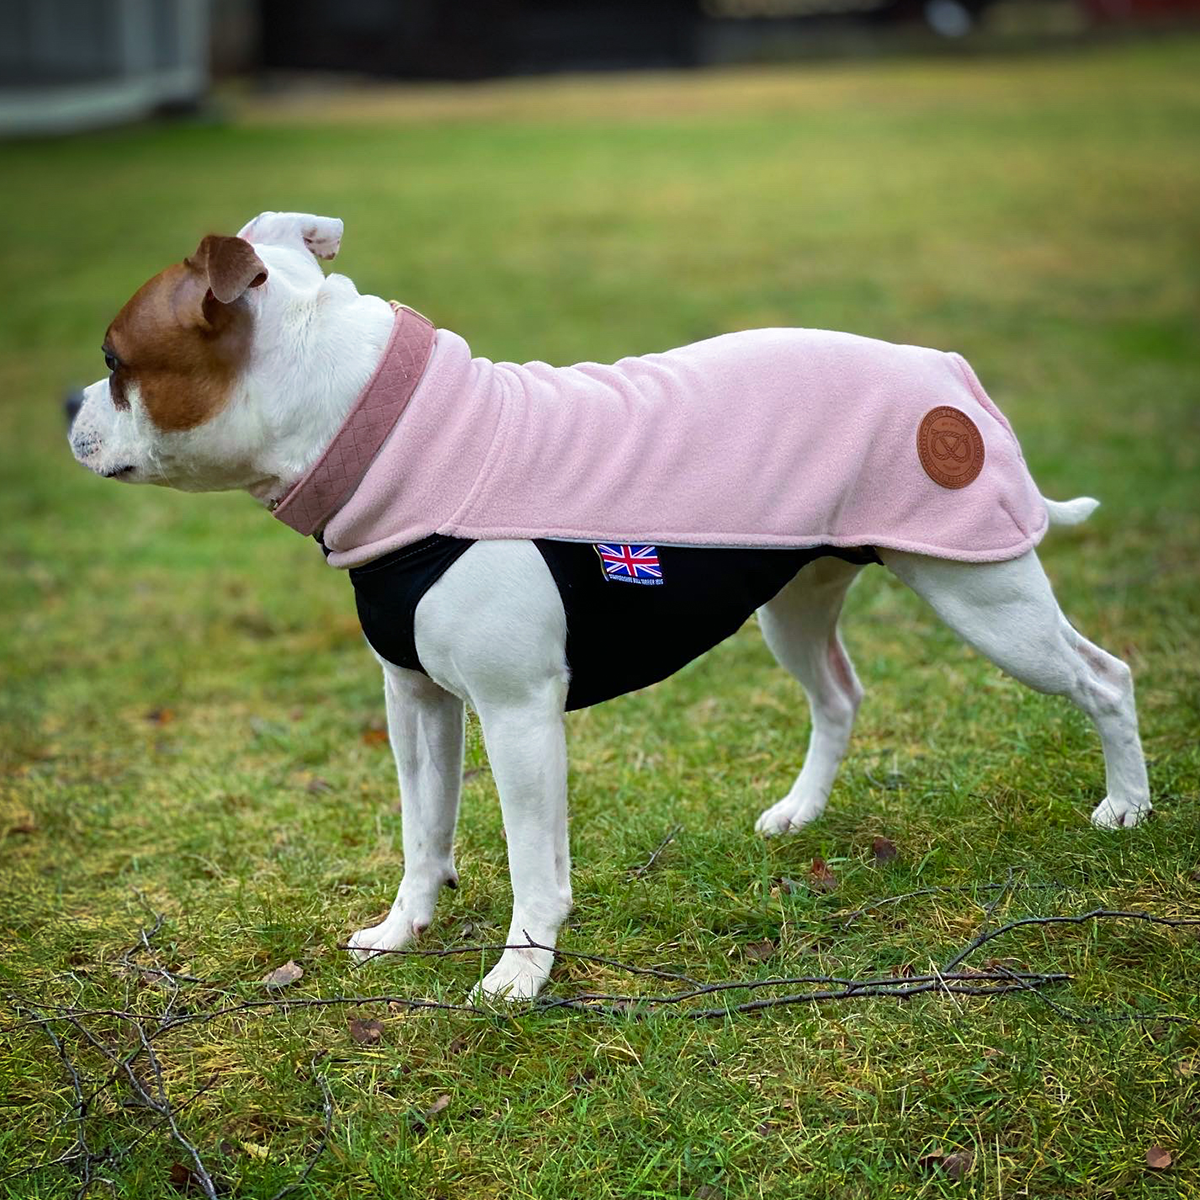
495,564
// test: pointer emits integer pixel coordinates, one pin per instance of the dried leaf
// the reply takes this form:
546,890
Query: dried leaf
374,736
317,786
884,849
255,1151
457,1045
470,773
958,1164
787,886
955,1164
820,877
765,1129
22,829
1158,1159
706,1191
161,716
365,1033
282,976
759,951
180,1176
441,1103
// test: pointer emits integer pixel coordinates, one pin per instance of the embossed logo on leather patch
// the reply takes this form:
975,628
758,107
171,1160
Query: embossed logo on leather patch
950,447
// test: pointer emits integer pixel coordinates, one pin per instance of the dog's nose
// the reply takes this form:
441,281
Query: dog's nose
71,405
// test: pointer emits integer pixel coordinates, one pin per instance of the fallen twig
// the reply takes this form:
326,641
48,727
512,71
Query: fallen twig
848,993
1079,919
638,872
996,980
886,901
451,951
81,1152
327,1105
885,985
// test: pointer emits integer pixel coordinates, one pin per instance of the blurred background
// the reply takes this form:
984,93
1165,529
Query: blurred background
188,715
74,64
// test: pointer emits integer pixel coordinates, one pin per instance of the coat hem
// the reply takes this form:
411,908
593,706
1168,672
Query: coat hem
711,541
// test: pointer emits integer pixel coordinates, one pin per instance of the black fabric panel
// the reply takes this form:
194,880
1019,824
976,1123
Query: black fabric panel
622,635
388,590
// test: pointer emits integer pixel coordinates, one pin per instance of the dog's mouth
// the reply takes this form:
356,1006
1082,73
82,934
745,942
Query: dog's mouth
120,472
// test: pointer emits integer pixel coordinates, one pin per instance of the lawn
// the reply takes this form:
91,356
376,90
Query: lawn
189,723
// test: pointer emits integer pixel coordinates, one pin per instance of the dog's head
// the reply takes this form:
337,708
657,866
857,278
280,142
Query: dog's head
184,403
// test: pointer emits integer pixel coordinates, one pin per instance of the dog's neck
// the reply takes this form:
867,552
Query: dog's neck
306,376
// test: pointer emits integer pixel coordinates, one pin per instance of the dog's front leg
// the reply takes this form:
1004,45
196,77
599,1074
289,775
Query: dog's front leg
425,727
526,745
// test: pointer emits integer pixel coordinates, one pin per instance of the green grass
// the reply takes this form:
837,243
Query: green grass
1038,215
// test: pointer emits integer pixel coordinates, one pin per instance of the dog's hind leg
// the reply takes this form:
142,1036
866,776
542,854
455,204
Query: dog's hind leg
1007,611
800,627
425,727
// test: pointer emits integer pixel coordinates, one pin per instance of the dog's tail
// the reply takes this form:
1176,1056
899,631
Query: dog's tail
1070,512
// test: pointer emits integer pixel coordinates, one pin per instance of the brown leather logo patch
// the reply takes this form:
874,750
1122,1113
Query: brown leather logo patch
950,447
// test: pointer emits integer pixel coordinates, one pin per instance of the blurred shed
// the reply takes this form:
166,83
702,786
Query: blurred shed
68,65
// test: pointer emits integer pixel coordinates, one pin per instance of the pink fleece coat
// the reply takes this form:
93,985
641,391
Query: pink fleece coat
772,437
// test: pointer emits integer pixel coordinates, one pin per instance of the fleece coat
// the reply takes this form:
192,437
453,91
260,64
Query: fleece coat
767,438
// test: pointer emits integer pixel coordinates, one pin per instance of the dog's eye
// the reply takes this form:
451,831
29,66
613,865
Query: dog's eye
110,361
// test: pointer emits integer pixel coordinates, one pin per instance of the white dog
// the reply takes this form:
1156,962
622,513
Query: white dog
242,366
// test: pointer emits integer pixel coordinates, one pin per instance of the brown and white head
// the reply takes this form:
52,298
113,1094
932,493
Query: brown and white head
232,368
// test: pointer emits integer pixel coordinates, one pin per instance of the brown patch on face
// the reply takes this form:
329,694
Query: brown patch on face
179,344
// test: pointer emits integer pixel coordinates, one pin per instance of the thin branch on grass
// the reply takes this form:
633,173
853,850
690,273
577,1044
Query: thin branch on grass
884,985
638,872
849,993
327,1105
1096,1018
161,1105
996,980
966,983
163,1108
451,951
886,901
992,905
848,987
143,943
1078,919
1005,888
81,1152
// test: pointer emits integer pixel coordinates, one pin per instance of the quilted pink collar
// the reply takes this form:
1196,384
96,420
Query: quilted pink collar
309,503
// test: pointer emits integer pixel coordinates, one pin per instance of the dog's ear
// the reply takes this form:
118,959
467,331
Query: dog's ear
321,236
230,266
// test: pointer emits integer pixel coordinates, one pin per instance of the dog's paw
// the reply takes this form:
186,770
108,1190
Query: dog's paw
394,933
519,975
787,816
1119,814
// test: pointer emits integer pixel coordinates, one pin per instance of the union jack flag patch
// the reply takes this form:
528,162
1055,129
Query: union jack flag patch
630,564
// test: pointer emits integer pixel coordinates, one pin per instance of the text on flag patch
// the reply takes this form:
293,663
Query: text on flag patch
630,564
